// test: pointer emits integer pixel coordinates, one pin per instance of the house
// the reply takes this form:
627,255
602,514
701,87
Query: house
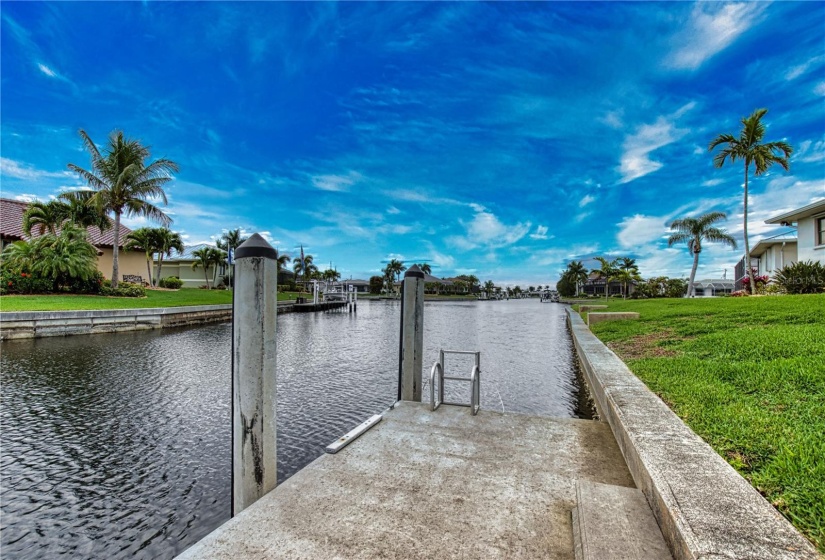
595,286
807,243
360,286
180,265
713,287
130,263
810,230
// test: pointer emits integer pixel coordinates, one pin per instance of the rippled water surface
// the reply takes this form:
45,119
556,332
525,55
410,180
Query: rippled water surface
118,446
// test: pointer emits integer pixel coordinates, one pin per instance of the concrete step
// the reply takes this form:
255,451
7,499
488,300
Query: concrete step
614,522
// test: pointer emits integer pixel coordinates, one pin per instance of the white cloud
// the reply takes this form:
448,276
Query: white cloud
613,119
541,233
810,152
711,28
796,71
635,161
46,70
393,210
335,183
712,182
819,89
485,229
19,170
638,230
26,197
587,199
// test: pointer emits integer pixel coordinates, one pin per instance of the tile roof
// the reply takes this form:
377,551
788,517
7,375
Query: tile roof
11,225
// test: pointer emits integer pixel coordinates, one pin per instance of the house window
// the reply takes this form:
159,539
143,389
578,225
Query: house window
820,231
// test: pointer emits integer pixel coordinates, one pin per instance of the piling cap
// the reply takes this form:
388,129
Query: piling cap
414,272
255,246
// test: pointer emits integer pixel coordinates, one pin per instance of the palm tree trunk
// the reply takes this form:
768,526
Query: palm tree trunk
747,244
691,291
149,268
160,264
115,245
206,275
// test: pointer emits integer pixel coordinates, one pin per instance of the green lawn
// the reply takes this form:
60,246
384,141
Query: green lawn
154,298
748,376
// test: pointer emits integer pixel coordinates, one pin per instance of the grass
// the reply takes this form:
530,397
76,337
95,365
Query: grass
154,298
748,376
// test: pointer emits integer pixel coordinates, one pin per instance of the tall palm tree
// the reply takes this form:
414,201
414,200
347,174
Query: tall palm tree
122,183
489,287
206,257
750,148
578,273
168,241
146,240
607,271
43,216
695,230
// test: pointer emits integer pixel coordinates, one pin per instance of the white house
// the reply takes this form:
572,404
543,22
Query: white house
810,230
806,244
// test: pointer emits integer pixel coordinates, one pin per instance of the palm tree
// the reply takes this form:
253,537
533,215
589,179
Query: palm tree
206,257
693,231
168,241
627,272
396,267
425,268
750,148
121,183
304,267
606,271
578,273
489,287
146,240
82,214
44,216
59,257
229,241
331,275
281,259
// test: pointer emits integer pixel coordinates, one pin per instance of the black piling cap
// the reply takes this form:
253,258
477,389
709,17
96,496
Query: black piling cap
255,246
414,272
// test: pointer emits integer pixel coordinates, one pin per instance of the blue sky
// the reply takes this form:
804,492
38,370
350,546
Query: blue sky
495,139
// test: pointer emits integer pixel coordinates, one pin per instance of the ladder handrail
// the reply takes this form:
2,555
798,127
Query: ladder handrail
474,379
475,394
433,403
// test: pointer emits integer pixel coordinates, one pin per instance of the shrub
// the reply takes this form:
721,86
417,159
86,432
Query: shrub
24,283
171,282
124,289
806,277
91,285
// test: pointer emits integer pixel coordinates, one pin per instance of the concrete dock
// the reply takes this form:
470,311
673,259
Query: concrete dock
424,484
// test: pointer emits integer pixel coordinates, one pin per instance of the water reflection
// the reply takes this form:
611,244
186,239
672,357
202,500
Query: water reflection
117,446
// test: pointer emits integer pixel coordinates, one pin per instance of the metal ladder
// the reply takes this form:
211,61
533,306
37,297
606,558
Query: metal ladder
475,379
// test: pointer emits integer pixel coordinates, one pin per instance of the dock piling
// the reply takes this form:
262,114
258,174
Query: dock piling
255,303
411,353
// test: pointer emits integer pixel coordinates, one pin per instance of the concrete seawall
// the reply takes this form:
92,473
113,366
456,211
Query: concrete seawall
38,324
704,508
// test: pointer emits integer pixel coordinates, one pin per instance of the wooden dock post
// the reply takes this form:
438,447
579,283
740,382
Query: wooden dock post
411,353
255,304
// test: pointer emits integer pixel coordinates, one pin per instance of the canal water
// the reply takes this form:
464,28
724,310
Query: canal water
118,446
